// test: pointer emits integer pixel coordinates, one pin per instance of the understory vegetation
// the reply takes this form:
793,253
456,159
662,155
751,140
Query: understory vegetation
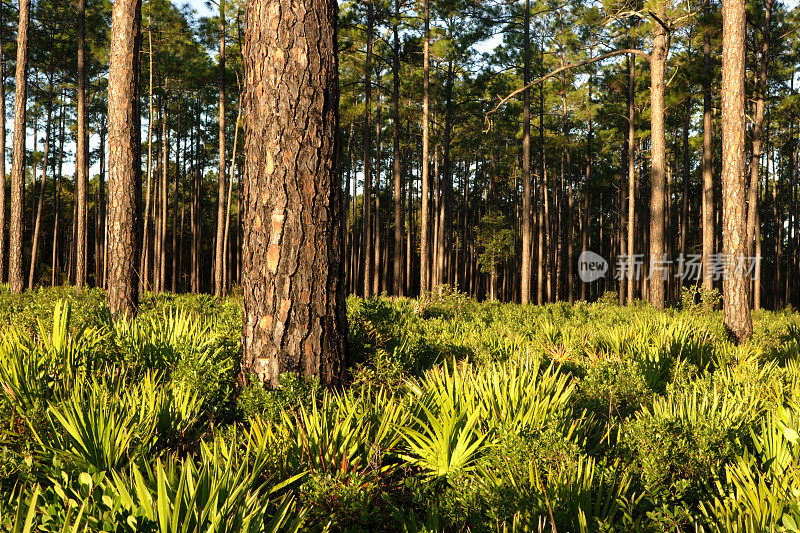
458,416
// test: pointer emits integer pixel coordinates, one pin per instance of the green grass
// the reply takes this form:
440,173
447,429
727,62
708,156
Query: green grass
457,416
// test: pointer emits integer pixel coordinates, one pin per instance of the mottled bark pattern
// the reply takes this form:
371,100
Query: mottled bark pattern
124,158
17,228
292,269
658,162
736,310
708,176
81,151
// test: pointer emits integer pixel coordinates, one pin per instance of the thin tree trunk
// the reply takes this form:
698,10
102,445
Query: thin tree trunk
40,204
219,262
145,259
174,249
425,262
376,219
55,258
366,222
397,276
2,151
687,122
632,185
753,218
163,198
658,160
81,153
230,187
708,176
100,222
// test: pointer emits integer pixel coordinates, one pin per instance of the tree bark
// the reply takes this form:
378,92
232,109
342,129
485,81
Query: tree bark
40,204
632,185
397,271
424,250
124,158
219,263
145,259
755,157
526,272
658,160
17,227
366,227
736,310
2,153
294,299
708,170
81,152
100,222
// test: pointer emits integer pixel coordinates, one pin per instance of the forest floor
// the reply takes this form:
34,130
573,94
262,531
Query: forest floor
458,415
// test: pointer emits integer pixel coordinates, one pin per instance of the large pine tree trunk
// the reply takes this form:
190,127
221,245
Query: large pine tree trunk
658,161
736,310
17,228
294,299
81,152
124,158
219,250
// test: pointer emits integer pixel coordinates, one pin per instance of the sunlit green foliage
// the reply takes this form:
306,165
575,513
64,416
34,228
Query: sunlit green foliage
458,414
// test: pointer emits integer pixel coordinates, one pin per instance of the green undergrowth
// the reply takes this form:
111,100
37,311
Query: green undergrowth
457,416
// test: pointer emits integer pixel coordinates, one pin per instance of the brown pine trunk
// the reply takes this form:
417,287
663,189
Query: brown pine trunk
228,277
174,249
366,221
445,186
81,152
687,122
55,256
755,157
3,152
100,220
632,185
124,158
219,250
708,171
526,272
294,306
658,160
145,259
17,228
40,204
376,219
397,271
736,310
425,261
163,199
